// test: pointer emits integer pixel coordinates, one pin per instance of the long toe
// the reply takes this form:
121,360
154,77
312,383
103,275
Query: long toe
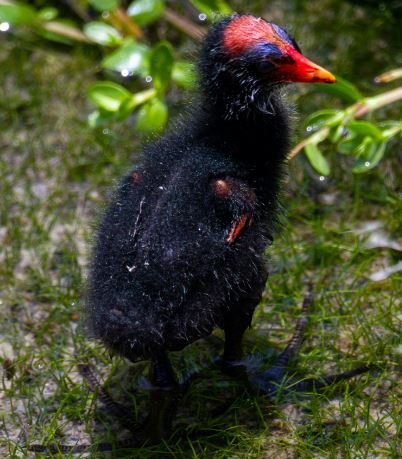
310,384
194,371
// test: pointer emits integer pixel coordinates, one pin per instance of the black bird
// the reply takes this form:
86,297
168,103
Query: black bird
180,249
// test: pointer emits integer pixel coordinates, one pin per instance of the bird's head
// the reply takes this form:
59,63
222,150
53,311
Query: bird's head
250,56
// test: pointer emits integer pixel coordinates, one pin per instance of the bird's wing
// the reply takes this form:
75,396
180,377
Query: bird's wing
240,199
238,226
169,254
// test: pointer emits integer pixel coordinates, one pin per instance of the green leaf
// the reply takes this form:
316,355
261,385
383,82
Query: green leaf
365,128
108,95
390,129
135,101
317,159
349,145
363,147
161,66
335,133
140,98
145,12
51,36
183,73
102,33
152,117
328,117
355,145
370,158
390,124
343,89
104,5
17,14
100,117
132,57
48,14
212,6
125,109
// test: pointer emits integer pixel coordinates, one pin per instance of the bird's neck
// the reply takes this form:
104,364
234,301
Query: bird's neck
256,132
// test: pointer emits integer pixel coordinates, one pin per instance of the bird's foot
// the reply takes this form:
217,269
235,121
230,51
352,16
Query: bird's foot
138,433
163,406
164,400
279,379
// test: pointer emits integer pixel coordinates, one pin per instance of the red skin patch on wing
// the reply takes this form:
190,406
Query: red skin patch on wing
238,227
230,188
137,177
221,188
225,188
245,32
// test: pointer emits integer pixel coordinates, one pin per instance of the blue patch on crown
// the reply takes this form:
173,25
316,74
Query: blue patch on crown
269,49
281,33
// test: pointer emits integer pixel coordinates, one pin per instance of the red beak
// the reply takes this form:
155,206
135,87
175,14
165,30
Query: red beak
302,70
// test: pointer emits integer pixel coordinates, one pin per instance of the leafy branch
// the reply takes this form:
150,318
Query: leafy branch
119,32
151,71
364,140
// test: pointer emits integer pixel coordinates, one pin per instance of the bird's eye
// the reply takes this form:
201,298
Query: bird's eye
265,66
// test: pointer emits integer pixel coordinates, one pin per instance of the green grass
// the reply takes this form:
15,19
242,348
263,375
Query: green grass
54,175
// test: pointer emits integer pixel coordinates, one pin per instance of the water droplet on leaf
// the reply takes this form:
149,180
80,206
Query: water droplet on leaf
4,26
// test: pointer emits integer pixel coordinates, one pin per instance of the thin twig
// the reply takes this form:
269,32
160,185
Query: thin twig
389,76
322,133
66,31
78,10
184,24
120,18
371,104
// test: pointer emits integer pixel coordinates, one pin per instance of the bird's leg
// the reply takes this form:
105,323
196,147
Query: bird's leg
233,351
277,378
164,395
236,322
270,381
119,411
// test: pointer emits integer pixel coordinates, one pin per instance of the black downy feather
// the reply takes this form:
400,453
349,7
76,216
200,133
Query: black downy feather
163,274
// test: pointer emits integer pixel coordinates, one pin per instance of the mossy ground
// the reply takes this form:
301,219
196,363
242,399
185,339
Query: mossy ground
54,176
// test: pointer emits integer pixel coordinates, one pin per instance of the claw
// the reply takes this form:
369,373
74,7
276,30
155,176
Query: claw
117,410
293,348
276,380
151,429
325,381
67,449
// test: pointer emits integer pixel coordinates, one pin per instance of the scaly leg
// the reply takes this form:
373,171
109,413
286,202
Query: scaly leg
276,379
165,393
236,323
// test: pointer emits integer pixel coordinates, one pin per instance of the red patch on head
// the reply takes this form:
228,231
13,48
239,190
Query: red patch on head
244,32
